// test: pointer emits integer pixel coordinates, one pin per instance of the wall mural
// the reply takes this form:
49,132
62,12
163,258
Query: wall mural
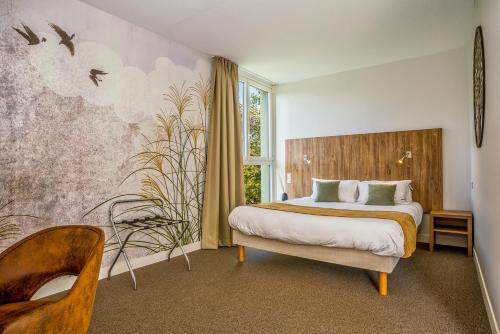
172,168
8,228
94,108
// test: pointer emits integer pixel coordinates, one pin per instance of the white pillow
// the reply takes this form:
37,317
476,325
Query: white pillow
401,196
348,189
409,197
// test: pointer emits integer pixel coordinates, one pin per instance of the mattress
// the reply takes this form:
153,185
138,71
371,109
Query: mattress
379,236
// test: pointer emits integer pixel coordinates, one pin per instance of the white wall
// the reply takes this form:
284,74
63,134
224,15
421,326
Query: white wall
485,161
425,92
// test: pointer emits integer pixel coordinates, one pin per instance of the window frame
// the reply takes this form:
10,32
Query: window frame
249,79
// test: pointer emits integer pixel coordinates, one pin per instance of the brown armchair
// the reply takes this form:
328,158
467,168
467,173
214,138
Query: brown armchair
39,258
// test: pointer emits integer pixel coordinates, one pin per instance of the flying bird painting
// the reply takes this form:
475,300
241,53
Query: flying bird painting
29,35
65,38
93,76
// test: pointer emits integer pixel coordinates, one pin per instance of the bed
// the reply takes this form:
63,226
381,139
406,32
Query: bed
367,243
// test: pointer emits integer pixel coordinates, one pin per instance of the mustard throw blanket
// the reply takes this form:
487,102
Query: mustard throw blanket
404,219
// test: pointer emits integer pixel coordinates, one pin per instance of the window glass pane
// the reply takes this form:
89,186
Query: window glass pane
258,127
257,183
241,97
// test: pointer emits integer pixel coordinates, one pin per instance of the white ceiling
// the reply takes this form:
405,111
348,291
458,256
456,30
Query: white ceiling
290,40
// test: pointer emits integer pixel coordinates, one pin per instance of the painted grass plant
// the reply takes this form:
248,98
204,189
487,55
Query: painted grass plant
9,230
171,167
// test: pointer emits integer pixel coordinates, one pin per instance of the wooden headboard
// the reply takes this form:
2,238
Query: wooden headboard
370,156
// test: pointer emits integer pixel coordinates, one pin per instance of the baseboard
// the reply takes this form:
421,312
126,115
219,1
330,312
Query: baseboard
66,282
486,296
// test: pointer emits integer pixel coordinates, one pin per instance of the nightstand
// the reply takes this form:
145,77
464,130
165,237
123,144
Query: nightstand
451,222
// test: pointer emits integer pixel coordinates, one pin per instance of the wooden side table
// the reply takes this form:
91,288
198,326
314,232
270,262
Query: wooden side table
451,222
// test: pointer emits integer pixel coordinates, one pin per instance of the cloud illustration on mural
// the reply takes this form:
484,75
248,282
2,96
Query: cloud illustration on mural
133,94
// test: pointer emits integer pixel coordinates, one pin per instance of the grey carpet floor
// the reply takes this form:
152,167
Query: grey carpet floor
270,293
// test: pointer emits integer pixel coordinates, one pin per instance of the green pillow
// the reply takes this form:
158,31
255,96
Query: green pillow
327,191
381,194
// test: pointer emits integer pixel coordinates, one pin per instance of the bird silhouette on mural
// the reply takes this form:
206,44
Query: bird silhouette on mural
65,38
29,35
93,76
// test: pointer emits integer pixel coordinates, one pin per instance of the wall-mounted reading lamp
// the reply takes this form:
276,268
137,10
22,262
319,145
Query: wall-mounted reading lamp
406,155
306,159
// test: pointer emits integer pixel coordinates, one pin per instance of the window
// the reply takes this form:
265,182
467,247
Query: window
256,119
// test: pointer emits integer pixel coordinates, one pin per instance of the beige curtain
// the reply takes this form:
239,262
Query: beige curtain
224,188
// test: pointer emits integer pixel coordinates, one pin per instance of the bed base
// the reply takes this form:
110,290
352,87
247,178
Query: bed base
384,265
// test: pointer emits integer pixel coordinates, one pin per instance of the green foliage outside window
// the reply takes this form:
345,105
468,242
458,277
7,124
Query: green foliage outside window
252,173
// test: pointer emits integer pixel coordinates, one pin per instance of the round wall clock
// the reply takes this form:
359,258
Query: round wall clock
479,93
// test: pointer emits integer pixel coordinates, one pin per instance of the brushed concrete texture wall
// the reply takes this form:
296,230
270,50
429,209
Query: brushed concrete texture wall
66,142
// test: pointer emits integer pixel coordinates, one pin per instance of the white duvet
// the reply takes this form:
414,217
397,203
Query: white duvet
379,236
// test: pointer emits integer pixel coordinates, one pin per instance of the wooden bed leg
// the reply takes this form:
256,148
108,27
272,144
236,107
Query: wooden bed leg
382,283
241,253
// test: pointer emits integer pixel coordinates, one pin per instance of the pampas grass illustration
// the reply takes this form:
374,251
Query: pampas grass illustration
9,229
171,167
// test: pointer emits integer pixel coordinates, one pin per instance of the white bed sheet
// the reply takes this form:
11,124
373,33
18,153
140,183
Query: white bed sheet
379,236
